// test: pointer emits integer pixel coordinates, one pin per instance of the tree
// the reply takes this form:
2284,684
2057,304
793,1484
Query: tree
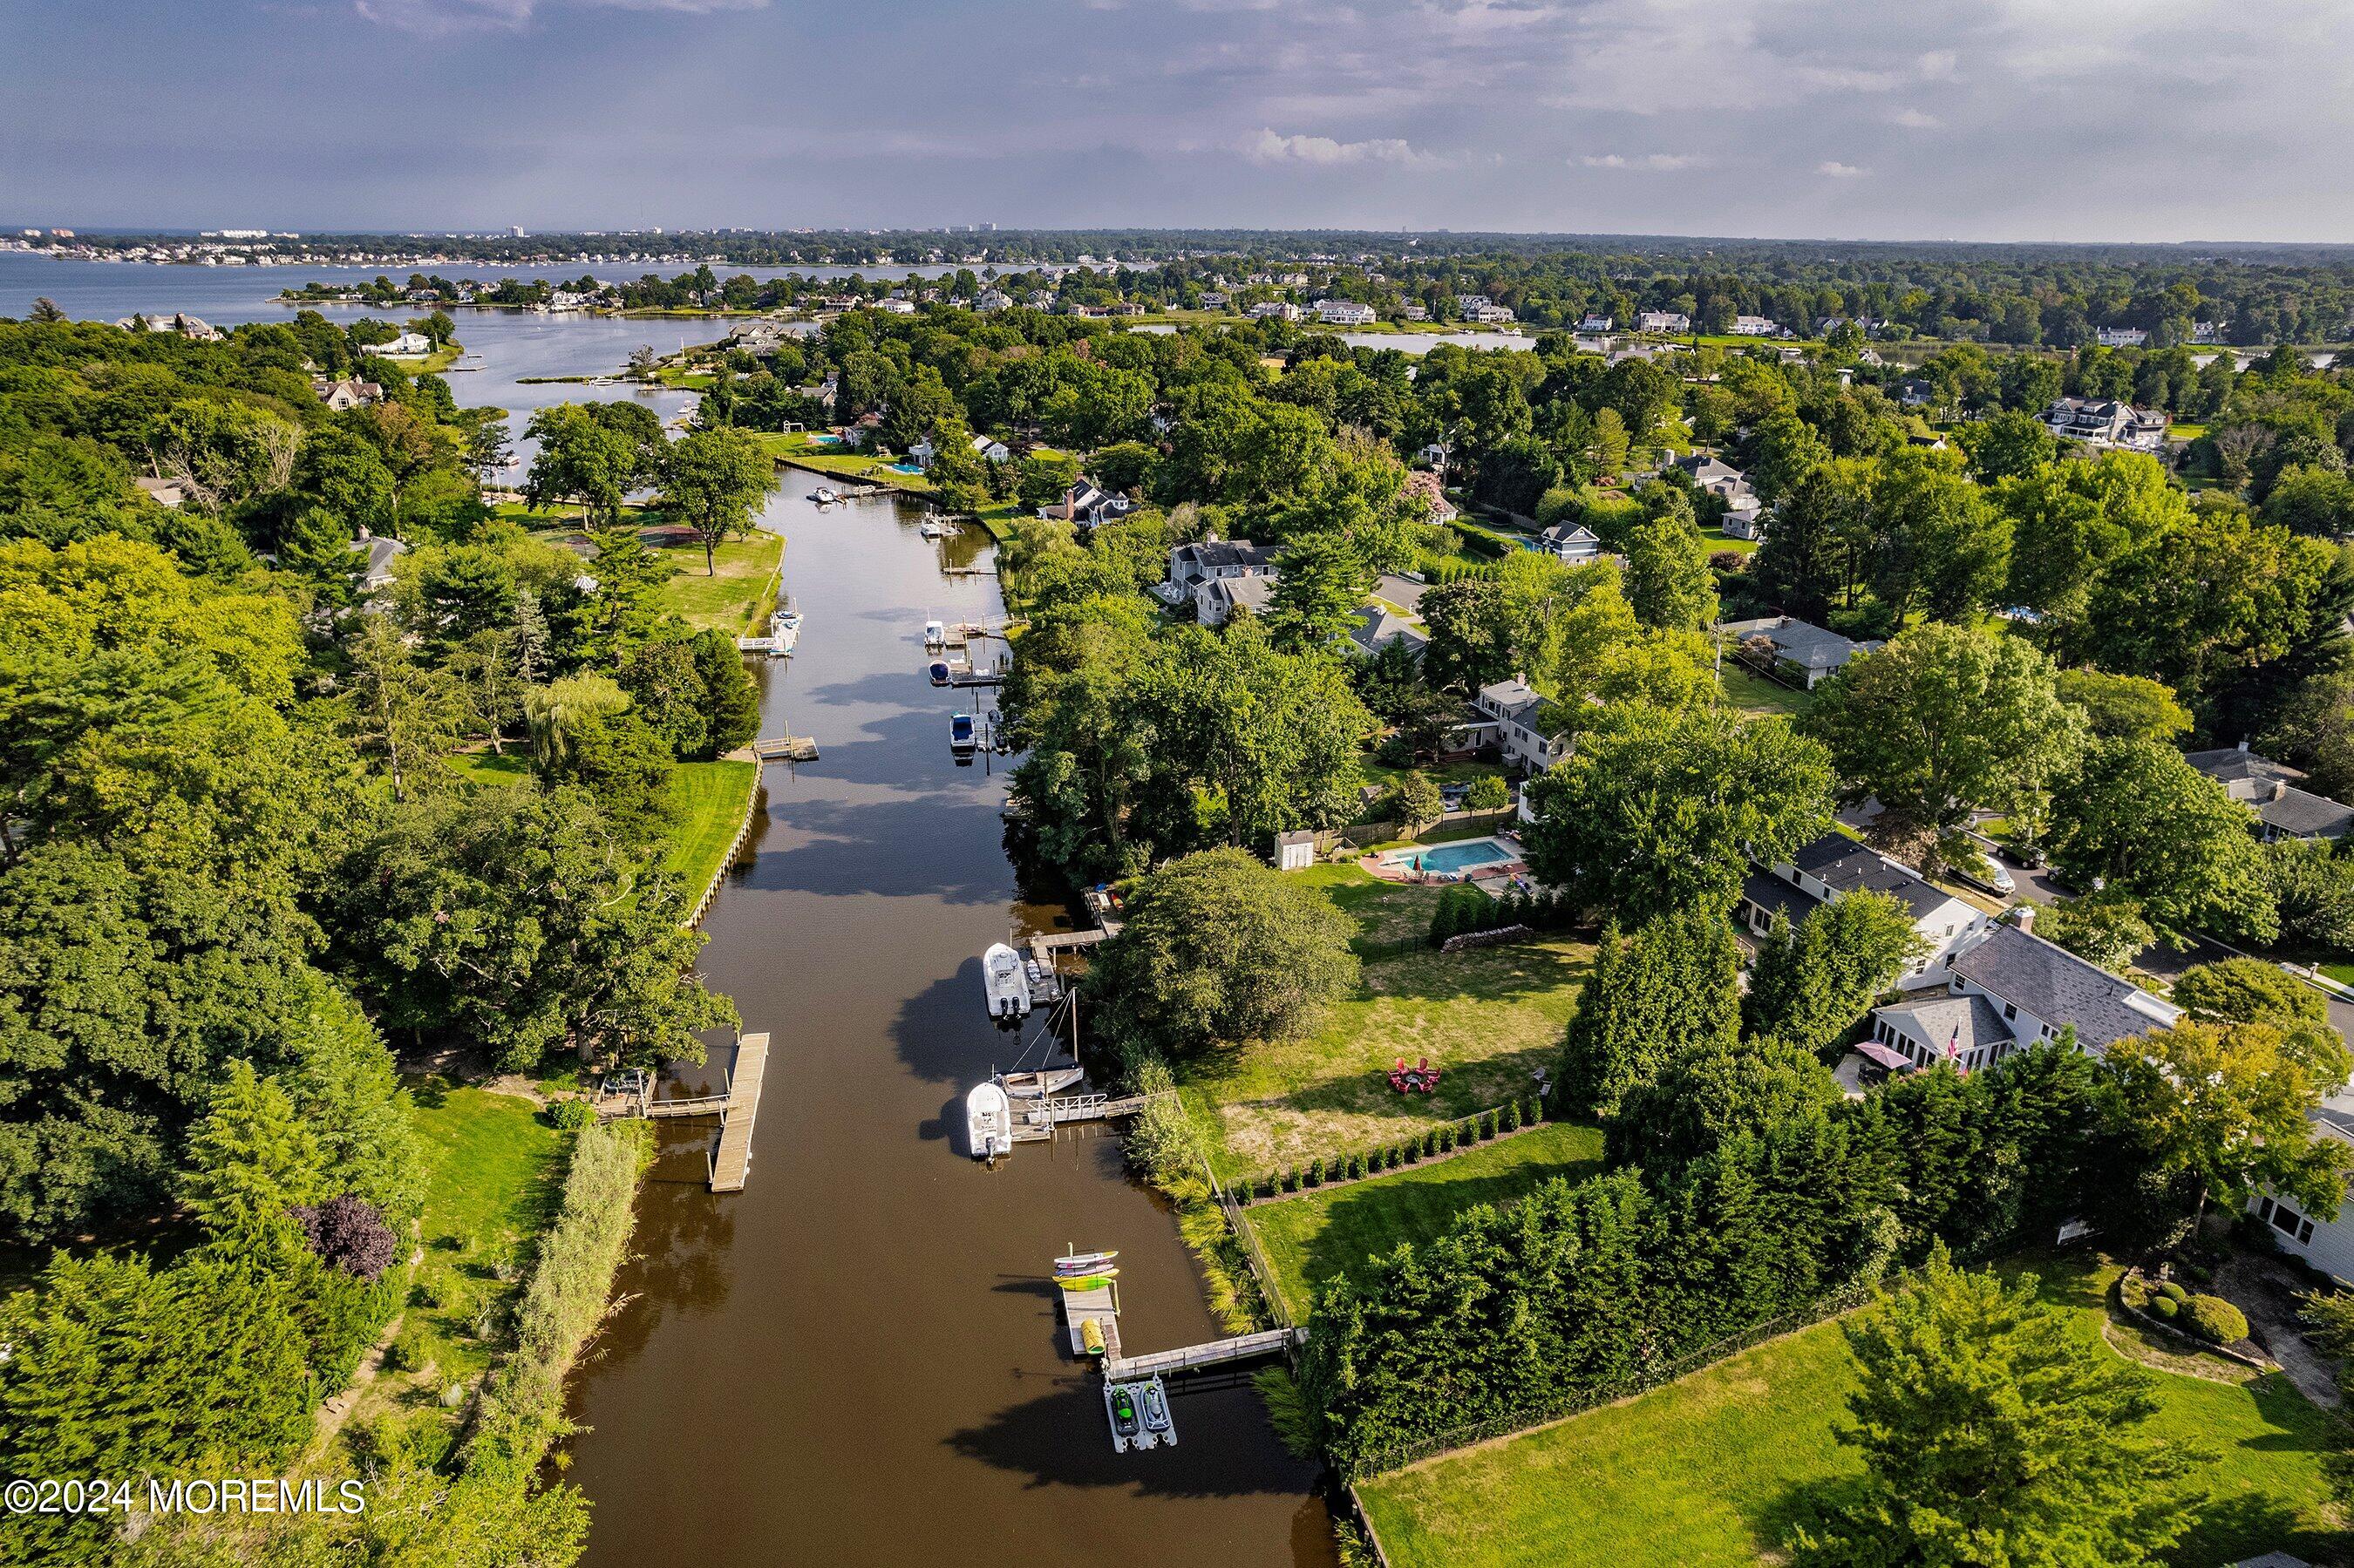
252,1159
1318,592
2105,928
714,482
1813,981
2313,730
1944,719
589,456
1660,810
1704,1097
2140,819
1669,583
2313,501
1488,793
1416,801
1991,1433
731,703
1219,949
2124,707
1668,989
563,712
404,712
2226,1106
1046,478
2248,991
2313,892
347,1232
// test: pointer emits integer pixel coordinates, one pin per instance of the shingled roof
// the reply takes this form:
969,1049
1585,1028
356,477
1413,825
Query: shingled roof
2059,988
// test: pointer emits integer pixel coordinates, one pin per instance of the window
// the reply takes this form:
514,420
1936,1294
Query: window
2008,1011
2288,1221
2264,1209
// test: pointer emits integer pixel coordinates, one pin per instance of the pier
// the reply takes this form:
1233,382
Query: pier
1136,1402
737,1106
1034,1121
785,748
1117,1368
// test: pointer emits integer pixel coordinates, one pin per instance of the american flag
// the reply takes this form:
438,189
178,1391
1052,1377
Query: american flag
1954,1050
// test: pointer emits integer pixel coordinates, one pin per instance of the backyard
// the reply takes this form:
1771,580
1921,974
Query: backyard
1486,1017
1309,1239
710,799
1751,692
741,592
1715,1468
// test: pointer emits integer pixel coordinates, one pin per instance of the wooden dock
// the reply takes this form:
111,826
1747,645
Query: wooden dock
731,1162
1063,941
785,748
1117,1368
1101,1304
1034,1121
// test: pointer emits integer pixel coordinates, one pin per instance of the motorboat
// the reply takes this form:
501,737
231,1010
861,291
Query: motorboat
1155,1407
1041,1084
823,496
784,632
936,634
962,742
989,1122
933,528
1004,987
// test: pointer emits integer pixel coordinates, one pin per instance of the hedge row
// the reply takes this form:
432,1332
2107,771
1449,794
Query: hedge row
1442,1139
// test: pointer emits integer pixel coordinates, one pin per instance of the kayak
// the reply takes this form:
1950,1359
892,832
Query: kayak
1083,1262
1091,1335
1087,1281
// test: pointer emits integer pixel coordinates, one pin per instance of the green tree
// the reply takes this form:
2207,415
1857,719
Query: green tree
1946,719
2124,707
714,482
2105,928
252,1159
731,703
2248,991
2149,825
1669,988
2313,892
2226,1106
1046,477
1659,810
1318,592
1991,1433
2318,502
1669,583
587,455
1813,981
1218,949
404,712
1415,801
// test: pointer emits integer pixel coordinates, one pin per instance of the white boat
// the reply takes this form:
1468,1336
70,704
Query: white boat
823,496
989,1122
1039,1084
934,528
1005,986
936,634
784,632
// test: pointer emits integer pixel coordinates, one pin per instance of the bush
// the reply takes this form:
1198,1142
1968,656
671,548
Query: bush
1413,1150
1446,1138
2173,1292
1430,1140
2216,1320
1291,1179
1487,1127
1536,1109
1316,1173
571,1116
1513,1116
1395,752
1488,793
2165,1305
1354,1167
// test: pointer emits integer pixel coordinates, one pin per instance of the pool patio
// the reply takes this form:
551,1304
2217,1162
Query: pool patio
1493,858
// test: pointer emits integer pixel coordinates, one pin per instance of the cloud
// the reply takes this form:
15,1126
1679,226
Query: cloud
442,17
1914,120
1267,147
1835,170
1641,161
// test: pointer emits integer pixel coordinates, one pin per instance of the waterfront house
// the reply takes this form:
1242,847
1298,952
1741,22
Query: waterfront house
922,451
1797,651
350,392
1834,865
994,299
2010,989
2270,789
2106,422
2120,337
1191,566
1277,310
407,345
895,307
1215,298
1466,303
1087,504
1493,315
187,327
1674,323
989,451
1569,543
1418,313
1344,313
1526,727
1591,324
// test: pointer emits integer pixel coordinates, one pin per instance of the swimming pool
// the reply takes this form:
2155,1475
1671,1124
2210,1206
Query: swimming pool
1455,858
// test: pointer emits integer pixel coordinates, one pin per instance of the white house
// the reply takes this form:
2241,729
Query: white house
1215,298
1493,315
2120,337
1344,313
1572,543
1279,310
1191,566
1754,326
1521,722
1418,313
2328,1244
989,451
1834,865
1391,613
2106,422
1799,650
1216,601
1591,324
922,451
994,299
1086,504
1675,322
1466,303
2010,989
407,345
895,307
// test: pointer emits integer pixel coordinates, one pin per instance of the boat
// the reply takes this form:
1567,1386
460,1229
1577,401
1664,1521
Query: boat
934,528
1005,988
989,1122
1156,1407
823,496
1037,1086
1123,1412
784,632
1084,1262
936,634
938,670
1096,1281
962,742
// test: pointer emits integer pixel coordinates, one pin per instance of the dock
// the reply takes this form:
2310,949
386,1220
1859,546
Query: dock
1034,1121
785,748
1099,1305
1117,1368
737,1106
1132,1386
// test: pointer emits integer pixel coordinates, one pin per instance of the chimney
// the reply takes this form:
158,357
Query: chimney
1521,677
2244,743
2280,789
2025,919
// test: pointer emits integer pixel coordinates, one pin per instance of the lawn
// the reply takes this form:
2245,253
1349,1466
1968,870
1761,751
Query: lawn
1754,694
710,797
508,772
1713,1469
1718,539
737,597
1488,1016
1313,1237
795,446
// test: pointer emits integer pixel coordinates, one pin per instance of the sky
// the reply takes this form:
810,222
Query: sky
2094,120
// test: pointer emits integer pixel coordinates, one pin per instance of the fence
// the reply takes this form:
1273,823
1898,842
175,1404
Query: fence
1398,1456
1262,1272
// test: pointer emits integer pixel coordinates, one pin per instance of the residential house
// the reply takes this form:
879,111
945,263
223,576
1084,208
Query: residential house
1591,324
1391,613
2209,331
1715,476
1191,566
186,325
1834,865
895,307
2010,989
1418,313
1215,298
349,392
922,451
1524,724
1569,543
1797,649
163,492
1754,326
2326,1245
1915,393
1466,303
1745,518
1493,315
2120,337
1344,313
1039,299
989,451
2106,422
1215,602
762,338
1087,504
407,345
1673,323
1279,310
2270,789
375,572
992,300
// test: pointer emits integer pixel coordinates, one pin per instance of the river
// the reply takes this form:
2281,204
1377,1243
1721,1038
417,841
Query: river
858,1361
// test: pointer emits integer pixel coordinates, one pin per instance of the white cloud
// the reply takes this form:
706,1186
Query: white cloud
1835,170
438,16
1641,161
1267,147
1914,120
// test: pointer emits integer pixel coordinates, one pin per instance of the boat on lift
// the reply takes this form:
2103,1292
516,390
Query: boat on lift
1004,985
934,528
962,741
936,634
784,632
989,1122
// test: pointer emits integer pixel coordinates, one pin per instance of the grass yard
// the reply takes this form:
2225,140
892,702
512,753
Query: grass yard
1487,1015
1718,539
738,596
711,797
1754,694
1715,1470
1386,912
1313,1237
509,772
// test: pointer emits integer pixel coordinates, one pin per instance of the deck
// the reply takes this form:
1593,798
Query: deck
1034,1121
785,748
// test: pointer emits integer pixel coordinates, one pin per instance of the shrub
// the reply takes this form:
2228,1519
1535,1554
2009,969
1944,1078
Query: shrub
1291,1179
571,1116
1487,1126
1513,1116
2214,1319
350,1233
1316,1173
2165,1305
1430,1140
1413,1150
1355,1167
1446,1138
2173,1292
1536,1109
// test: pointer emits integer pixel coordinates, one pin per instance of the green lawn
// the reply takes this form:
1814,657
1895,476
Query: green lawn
1718,539
1710,1470
1311,1238
795,444
710,797
739,596
507,772
1487,1015
1754,694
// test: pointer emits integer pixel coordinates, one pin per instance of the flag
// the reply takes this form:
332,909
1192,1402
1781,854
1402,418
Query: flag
1954,1050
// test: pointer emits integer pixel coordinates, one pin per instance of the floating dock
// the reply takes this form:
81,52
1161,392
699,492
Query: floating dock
785,748
1147,1395
1098,1305
738,1108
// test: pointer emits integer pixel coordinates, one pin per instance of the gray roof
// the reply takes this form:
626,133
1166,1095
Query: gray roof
1775,897
1211,554
1253,594
1377,625
2059,988
2269,788
1403,592
1968,1020
1846,866
2236,764
1803,644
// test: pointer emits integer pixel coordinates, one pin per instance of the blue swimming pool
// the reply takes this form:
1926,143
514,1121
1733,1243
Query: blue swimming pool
1468,855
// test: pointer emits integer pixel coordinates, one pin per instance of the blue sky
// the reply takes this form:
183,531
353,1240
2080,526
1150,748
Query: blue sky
1982,119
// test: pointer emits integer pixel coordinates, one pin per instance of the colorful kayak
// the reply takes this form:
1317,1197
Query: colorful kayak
1084,1262
1087,1281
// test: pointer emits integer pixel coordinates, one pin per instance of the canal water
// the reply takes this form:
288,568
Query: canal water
858,1359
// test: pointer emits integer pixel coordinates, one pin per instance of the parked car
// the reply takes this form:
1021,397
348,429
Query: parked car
1988,874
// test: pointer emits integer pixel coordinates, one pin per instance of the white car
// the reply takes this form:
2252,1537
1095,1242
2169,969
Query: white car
1989,873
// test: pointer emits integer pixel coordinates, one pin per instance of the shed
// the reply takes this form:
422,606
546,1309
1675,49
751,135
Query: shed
1295,851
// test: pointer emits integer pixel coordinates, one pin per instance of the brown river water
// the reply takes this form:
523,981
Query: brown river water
858,1359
